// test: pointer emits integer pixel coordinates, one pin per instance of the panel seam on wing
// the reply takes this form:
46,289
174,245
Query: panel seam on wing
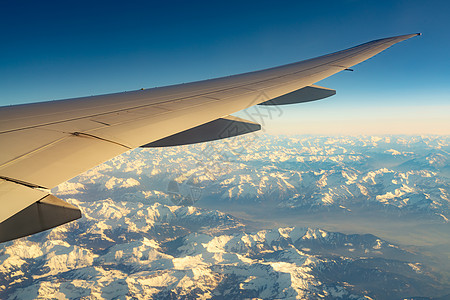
81,134
24,183
31,152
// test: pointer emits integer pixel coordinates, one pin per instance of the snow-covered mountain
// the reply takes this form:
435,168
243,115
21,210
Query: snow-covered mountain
141,238
142,251
405,175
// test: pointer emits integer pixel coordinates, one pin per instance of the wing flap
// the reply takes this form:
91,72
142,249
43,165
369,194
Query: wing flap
47,213
66,156
14,197
306,94
221,128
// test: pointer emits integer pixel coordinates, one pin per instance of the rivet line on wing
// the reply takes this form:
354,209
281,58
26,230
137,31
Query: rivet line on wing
81,134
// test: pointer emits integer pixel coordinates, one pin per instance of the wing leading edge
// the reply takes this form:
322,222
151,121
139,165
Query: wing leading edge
50,142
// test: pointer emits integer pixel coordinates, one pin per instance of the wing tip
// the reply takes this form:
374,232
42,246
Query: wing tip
400,38
407,36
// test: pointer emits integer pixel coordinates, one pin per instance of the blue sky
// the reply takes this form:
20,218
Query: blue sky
62,49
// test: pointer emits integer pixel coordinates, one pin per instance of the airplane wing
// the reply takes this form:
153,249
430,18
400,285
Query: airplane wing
44,144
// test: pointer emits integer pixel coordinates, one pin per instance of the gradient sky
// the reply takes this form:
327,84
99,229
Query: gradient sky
62,49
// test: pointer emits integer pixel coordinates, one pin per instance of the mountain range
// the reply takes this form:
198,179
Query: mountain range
149,228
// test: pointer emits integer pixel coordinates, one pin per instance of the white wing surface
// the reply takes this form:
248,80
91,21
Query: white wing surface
44,144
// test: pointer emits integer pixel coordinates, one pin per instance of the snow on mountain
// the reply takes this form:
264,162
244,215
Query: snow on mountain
161,257
404,174
138,238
